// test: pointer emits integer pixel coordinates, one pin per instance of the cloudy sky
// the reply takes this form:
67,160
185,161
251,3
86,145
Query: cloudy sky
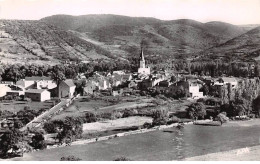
231,11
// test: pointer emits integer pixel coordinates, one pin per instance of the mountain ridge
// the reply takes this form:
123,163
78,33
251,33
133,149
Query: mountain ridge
112,37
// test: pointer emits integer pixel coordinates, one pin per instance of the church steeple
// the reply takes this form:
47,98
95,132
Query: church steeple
142,54
143,69
142,61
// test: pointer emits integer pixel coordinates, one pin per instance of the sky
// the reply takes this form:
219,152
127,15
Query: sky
231,11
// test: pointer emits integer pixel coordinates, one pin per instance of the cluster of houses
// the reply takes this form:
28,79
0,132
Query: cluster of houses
38,88
120,82
113,83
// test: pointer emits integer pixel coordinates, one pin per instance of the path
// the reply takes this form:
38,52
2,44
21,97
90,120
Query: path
36,122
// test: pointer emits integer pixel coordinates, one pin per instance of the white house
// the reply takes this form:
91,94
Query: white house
67,89
38,94
103,84
37,82
194,91
226,80
119,72
3,89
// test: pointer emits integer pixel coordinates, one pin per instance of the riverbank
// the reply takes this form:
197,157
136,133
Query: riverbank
157,144
242,154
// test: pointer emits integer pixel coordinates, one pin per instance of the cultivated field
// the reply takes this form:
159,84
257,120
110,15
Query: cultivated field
85,104
16,106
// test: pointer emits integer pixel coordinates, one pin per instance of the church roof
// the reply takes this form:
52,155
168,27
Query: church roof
142,54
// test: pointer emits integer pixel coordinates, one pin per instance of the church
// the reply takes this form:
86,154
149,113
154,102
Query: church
142,68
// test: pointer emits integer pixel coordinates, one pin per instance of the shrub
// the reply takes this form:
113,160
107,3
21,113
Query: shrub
251,115
90,117
70,158
27,108
201,100
106,115
160,116
117,114
196,111
147,125
122,159
28,99
173,119
49,127
38,142
222,117
128,113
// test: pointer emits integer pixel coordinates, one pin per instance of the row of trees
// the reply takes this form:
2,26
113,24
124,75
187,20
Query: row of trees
58,72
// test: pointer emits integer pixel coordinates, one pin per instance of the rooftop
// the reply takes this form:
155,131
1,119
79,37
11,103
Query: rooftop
35,78
69,82
35,90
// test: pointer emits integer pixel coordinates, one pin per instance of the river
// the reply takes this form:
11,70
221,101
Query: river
193,140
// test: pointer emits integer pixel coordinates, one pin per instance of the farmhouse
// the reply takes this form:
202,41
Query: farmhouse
66,89
194,91
38,94
37,82
3,89
226,80
90,88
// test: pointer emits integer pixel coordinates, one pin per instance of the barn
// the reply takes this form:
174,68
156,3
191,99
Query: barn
38,94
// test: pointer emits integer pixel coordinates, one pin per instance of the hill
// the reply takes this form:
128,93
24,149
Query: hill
243,47
30,41
123,34
58,38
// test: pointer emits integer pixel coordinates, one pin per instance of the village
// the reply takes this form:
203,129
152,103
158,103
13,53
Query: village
109,102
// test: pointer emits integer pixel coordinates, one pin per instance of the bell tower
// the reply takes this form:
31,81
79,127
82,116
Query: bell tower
143,69
142,61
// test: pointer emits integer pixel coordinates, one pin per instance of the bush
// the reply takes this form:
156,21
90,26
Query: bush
222,117
145,112
251,115
196,111
173,119
117,115
90,117
122,159
28,99
38,142
160,116
49,127
128,113
201,100
147,125
27,108
70,158
105,115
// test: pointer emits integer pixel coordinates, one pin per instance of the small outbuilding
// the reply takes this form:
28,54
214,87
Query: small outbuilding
38,94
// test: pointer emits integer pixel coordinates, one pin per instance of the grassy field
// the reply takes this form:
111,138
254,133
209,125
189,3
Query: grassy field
115,124
16,106
188,142
85,104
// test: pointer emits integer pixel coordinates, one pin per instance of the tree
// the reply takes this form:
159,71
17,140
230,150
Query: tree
9,141
205,90
197,111
38,141
71,129
256,106
160,116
